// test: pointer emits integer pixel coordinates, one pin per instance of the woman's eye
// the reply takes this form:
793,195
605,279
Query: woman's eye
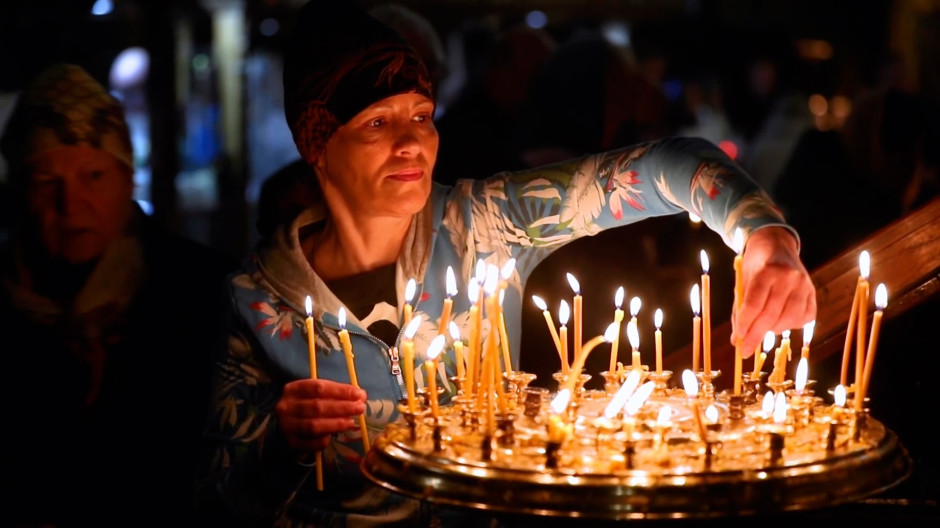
377,122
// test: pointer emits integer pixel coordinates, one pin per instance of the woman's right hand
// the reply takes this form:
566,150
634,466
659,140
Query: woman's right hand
310,410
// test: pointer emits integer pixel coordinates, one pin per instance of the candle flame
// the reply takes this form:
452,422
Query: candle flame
308,306
618,297
502,295
633,335
492,279
508,268
622,395
808,330
473,290
695,300
410,290
737,241
436,346
412,328
560,402
658,318
689,383
711,413
767,404
480,272
881,297
694,218
769,339
704,258
454,331
639,397
564,312
342,318
802,372
635,304
839,395
451,282
664,416
785,334
780,408
613,330
575,285
864,264
539,303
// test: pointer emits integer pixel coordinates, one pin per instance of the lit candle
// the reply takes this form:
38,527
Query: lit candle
458,353
578,365
551,325
577,314
503,338
473,288
690,384
618,318
864,261
696,326
785,344
769,339
634,337
448,301
563,314
658,337
430,366
865,268
881,301
706,314
808,329
408,356
738,242
623,393
312,355
351,367
410,290
802,374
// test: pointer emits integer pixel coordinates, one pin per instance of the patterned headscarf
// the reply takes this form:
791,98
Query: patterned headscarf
64,105
338,61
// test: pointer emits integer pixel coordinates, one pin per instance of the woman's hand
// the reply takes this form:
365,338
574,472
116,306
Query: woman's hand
778,292
310,410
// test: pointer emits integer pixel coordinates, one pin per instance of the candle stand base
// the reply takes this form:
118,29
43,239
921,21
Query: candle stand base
705,383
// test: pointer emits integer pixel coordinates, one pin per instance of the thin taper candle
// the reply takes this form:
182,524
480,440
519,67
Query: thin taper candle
351,368
312,355
658,339
618,318
548,321
738,242
576,324
881,302
563,315
706,315
696,326
451,284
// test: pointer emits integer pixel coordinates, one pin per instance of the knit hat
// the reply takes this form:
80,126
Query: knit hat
63,106
338,61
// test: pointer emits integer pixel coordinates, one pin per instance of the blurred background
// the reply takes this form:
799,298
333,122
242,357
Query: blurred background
830,105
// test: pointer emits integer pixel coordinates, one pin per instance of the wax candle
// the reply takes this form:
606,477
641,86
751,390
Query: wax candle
808,329
658,339
458,353
576,324
503,338
785,344
618,318
802,374
351,368
690,384
473,288
410,289
430,366
738,242
850,334
451,283
769,339
881,301
312,355
706,314
634,337
408,356
864,265
492,314
551,325
696,326
563,314
578,364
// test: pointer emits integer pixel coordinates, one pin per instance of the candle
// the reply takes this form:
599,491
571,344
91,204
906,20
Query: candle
563,314
448,301
503,338
430,366
618,318
312,355
690,384
458,353
808,329
577,314
408,356
785,344
881,301
489,355
696,325
473,287
410,290
738,242
551,325
634,337
865,267
769,339
802,373
351,368
706,314
658,339
578,364
850,330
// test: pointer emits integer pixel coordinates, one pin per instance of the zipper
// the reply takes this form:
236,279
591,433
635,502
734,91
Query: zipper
393,356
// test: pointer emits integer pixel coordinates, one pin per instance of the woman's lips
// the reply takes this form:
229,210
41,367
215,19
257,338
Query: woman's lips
407,175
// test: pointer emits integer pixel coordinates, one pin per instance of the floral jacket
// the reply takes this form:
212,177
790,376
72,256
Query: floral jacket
522,215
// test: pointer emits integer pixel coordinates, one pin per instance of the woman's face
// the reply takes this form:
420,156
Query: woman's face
380,162
79,201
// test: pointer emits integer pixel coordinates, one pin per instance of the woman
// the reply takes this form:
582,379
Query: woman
360,107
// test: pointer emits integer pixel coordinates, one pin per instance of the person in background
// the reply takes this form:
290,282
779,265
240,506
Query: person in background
107,323
359,104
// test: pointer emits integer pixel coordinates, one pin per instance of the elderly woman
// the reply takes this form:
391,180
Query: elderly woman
359,104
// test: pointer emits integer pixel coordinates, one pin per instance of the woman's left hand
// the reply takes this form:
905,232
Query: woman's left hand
778,291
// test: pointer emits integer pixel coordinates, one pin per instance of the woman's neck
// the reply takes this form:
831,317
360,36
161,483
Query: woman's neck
344,249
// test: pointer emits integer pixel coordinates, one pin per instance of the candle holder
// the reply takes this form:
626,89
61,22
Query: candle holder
751,386
516,383
776,444
710,447
561,378
705,382
832,435
486,448
411,418
802,405
780,386
660,381
629,452
436,435
458,382
506,429
425,397
552,448
611,381
532,399
858,419
736,407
